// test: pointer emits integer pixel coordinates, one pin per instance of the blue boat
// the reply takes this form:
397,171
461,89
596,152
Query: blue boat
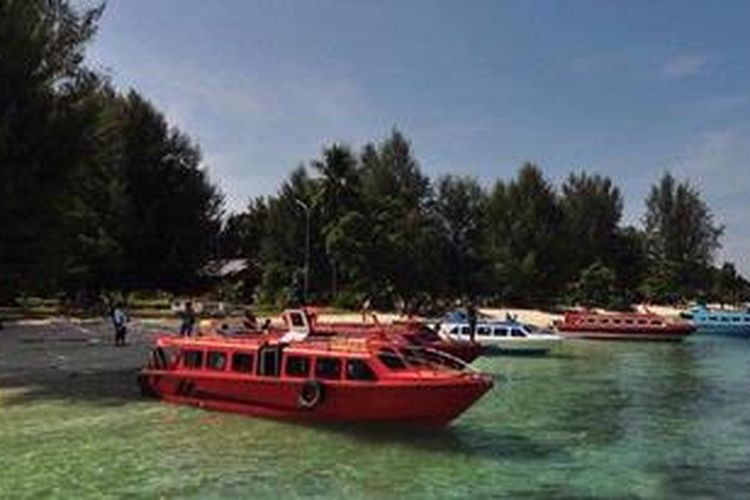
718,321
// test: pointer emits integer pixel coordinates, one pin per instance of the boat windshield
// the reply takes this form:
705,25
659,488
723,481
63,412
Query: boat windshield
419,357
391,359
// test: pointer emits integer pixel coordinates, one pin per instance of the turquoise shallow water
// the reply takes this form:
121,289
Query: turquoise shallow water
604,420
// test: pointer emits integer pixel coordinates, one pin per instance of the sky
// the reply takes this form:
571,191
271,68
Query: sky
628,89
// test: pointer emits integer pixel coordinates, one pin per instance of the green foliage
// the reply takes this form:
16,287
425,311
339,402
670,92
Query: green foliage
729,287
595,286
381,229
592,208
525,238
679,226
96,190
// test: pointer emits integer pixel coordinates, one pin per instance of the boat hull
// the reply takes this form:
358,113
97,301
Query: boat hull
648,336
723,330
521,346
431,402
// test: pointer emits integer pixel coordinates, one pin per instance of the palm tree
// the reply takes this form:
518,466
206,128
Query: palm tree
338,191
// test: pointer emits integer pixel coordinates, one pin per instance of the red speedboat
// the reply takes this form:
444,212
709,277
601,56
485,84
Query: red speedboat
623,326
335,379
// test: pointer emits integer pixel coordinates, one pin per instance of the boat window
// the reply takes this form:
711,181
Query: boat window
501,332
515,332
482,330
628,321
641,321
242,362
216,360
454,330
605,320
413,356
328,368
297,366
465,330
655,322
713,318
297,319
193,359
747,318
358,369
617,321
391,360
736,318
724,318
269,361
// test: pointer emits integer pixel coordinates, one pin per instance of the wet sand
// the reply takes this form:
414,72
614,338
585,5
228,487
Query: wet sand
65,359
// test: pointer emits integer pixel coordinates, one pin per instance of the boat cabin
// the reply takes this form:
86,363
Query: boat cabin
353,360
487,330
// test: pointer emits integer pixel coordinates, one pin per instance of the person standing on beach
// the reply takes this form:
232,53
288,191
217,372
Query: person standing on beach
366,309
120,322
250,322
471,316
188,320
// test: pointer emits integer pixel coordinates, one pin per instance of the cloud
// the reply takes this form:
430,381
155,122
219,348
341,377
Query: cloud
717,162
255,130
683,66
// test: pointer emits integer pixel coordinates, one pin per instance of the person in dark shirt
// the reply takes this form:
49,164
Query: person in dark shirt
188,320
471,316
120,322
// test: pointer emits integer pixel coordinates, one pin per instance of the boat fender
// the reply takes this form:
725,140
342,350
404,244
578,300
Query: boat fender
311,394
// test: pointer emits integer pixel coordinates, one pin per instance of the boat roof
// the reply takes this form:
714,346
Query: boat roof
488,322
615,314
311,345
719,312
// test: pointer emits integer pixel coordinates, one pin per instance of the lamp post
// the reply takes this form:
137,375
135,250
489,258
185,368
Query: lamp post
306,208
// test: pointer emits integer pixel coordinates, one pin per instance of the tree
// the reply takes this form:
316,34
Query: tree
525,243
729,286
242,234
396,195
679,226
46,127
596,286
680,233
282,250
174,212
338,193
592,208
461,209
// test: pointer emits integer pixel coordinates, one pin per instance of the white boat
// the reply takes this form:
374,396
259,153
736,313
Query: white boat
506,337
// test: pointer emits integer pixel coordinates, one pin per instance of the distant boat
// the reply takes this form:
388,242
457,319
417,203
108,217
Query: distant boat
623,326
503,337
718,321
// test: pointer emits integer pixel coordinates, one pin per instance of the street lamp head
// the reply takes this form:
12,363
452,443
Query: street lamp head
302,204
